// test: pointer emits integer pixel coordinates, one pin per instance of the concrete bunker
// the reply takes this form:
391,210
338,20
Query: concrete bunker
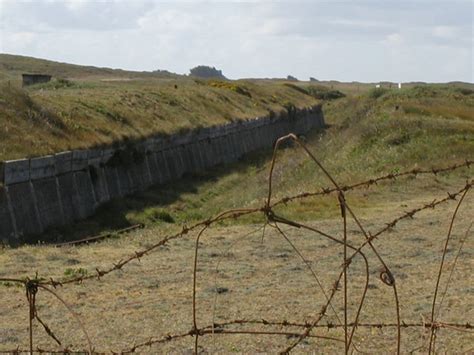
31,79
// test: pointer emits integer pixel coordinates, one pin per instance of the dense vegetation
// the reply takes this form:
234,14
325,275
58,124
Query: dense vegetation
204,71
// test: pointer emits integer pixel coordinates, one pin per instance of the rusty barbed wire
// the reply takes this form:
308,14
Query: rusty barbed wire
35,284
262,322
438,279
237,213
374,181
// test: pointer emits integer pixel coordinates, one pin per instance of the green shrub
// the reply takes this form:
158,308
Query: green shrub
323,93
464,91
164,216
158,214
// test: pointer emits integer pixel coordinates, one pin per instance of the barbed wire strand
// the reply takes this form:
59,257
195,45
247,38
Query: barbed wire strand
438,278
389,275
461,245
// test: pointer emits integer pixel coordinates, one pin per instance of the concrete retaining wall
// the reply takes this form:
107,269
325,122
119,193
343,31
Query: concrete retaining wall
55,190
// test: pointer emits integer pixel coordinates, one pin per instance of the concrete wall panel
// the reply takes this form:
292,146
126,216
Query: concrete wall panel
7,227
67,194
16,171
80,160
63,162
123,179
99,183
154,168
49,204
24,209
136,177
84,201
163,169
113,186
171,163
42,167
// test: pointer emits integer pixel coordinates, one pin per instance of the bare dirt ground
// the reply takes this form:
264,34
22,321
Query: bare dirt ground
245,274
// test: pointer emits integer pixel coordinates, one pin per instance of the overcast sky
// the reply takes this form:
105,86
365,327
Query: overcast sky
367,41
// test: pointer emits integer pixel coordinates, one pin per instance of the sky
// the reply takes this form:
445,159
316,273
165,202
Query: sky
367,41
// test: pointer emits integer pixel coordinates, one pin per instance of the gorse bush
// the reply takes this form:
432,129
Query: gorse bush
239,89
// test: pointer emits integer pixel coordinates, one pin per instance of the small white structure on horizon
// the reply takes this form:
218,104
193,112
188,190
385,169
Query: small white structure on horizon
399,86
377,86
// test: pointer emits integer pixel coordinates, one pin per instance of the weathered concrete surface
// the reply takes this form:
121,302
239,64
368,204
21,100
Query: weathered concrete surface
7,227
25,209
154,168
164,170
67,192
123,180
196,156
16,171
80,160
63,162
99,183
171,164
109,174
48,202
84,198
43,167
113,187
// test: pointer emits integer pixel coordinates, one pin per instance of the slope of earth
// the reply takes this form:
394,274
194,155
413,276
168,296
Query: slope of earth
69,114
12,66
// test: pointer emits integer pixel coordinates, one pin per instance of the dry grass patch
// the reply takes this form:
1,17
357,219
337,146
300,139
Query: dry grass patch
243,274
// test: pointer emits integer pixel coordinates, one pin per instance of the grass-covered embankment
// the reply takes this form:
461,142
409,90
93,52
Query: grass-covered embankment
64,115
370,135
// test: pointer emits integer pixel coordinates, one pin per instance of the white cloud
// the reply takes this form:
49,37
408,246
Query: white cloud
17,40
445,32
358,23
326,40
394,39
170,21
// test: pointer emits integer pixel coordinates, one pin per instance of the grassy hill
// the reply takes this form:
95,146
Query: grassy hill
93,110
12,66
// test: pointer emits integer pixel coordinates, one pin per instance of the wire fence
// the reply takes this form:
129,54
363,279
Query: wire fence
295,332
